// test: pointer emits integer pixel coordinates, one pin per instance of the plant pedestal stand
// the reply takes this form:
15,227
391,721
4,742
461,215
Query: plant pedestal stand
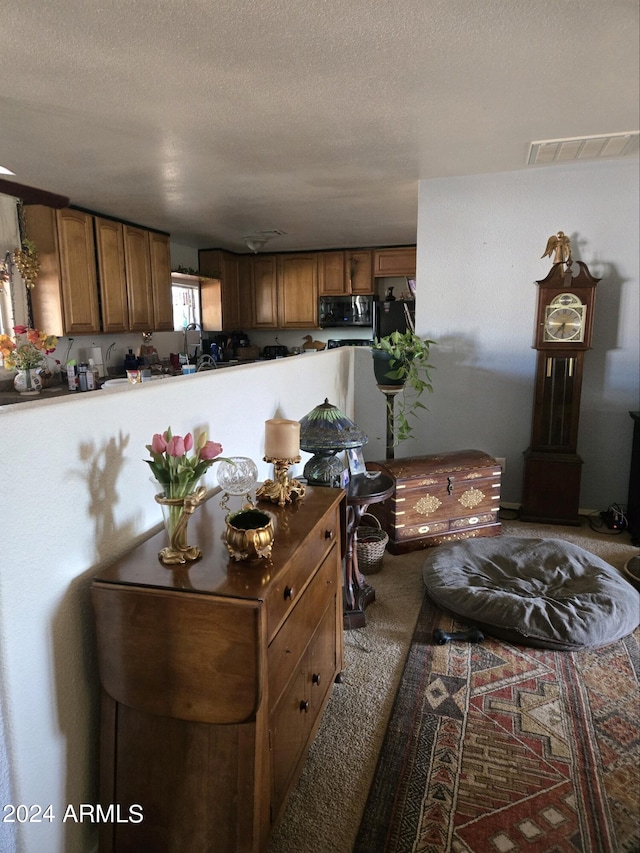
390,392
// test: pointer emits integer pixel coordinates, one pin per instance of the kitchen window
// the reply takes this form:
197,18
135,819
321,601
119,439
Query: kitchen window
186,300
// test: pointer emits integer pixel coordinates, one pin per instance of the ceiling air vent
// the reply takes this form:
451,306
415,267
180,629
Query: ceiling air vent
275,232
606,147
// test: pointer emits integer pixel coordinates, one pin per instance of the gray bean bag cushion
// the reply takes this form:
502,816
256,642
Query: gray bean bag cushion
536,592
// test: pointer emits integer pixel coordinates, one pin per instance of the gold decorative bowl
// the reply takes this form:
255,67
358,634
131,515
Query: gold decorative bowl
249,534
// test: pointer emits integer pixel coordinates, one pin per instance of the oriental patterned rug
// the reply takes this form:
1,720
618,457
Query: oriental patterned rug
498,748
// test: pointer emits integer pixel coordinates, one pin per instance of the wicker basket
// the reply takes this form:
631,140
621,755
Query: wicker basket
371,544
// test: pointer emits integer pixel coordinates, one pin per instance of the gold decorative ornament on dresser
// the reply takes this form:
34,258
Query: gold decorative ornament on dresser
215,676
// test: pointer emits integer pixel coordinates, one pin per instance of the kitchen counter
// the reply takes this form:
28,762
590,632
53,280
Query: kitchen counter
8,398
11,397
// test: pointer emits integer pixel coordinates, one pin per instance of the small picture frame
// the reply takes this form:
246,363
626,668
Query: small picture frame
356,461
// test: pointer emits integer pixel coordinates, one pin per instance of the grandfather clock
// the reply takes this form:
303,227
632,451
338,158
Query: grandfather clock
564,324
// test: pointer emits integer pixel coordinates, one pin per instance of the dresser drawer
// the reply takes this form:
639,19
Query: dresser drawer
287,589
323,660
296,716
293,638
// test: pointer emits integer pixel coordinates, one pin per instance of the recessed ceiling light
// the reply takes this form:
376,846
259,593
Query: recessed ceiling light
5,171
604,147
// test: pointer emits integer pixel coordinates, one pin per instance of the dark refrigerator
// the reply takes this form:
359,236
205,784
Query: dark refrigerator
391,316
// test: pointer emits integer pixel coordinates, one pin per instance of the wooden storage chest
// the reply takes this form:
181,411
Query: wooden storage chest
439,498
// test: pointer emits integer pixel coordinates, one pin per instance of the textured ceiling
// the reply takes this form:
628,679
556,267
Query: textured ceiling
214,119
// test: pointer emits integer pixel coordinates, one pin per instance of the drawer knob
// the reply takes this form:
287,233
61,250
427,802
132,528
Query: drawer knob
304,705
315,678
329,534
288,593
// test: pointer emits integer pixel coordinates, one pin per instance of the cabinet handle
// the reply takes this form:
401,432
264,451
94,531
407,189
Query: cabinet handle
288,593
315,678
304,705
449,485
329,534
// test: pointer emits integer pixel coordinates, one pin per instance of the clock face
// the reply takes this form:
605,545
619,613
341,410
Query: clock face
564,320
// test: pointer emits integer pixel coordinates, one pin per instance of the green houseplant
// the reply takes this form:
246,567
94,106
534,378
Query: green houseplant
401,360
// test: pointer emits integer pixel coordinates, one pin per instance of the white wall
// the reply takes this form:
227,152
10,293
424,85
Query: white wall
480,241
76,494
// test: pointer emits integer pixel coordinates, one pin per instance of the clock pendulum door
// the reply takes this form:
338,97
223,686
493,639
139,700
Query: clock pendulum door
553,468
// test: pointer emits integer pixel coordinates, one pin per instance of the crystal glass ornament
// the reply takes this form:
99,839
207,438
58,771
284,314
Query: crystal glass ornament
237,476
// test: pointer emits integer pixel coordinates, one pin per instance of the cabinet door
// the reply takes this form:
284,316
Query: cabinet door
298,291
211,304
111,274
46,297
331,274
210,263
295,717
264,292
289,724
224,266
359,271
245,292
210,267
322,660
138,267
399,261
160,261
78,272
230,293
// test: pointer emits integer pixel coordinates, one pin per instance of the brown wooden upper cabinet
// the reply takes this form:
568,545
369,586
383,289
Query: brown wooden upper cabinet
138,272
65,298
225,301
285,291
98,275
264,291
280,291
395,261
298,291
148,275
160,259
345,272
111,274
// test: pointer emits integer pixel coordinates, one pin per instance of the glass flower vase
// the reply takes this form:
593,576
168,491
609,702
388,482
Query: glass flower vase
178,505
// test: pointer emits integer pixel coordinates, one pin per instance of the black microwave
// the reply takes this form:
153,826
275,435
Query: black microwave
353,310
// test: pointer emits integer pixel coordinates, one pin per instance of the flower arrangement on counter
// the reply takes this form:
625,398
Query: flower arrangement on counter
174,468
29,349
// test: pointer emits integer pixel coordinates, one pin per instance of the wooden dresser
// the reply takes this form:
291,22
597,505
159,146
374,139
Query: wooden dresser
215,678
439,498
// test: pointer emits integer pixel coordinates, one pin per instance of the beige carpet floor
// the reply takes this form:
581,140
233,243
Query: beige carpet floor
324,809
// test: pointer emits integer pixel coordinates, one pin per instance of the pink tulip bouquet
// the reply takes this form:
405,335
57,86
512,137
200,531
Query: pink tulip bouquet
171,465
